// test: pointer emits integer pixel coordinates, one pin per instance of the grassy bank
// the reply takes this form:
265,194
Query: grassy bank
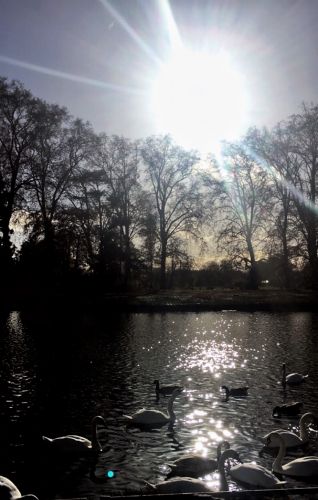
267,300
171,300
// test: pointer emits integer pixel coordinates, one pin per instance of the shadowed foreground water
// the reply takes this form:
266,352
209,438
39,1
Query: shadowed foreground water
58,371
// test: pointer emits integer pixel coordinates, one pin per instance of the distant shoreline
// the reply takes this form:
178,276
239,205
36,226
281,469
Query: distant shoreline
274,300
223,299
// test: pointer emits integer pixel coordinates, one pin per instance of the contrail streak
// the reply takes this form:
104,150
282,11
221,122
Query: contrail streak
130,31
172,27
68,76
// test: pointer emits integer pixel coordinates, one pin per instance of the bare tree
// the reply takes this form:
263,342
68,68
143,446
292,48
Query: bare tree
59,148
17,131
118,158
179,259
239,192
91,212
175,190
47,167
273,149
291,153
304,151
148,234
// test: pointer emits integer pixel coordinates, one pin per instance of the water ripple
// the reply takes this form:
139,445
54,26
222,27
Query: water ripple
57,372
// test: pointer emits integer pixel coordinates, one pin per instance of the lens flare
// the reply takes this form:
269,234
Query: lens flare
199,98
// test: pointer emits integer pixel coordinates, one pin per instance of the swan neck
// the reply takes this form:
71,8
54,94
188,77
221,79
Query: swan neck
284,375
223,481
218,451
95,442
227,390
221,444
278,462
303,432
171,413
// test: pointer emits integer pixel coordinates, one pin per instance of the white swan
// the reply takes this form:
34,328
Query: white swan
153,418
292,378
196,465
290,438
9,491
248,473
165,390
301,467
179,485
77,444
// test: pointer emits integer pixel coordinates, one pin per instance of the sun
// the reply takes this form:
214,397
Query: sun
200,99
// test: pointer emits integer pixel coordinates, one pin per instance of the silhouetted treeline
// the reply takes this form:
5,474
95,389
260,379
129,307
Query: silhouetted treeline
108,213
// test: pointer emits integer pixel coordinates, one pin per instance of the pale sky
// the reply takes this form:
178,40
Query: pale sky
102,59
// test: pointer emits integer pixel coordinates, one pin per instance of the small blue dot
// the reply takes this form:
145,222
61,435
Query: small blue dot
110,474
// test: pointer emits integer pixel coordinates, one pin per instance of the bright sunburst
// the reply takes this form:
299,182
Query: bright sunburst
200,99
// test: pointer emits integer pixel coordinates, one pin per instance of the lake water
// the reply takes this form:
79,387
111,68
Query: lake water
59,370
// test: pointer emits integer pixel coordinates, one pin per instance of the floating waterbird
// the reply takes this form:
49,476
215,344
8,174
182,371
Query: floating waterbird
292,378
236,392
165,390
291,439
196,465
77,444
179,485
9,491
291,409
153,418
306,467
248,473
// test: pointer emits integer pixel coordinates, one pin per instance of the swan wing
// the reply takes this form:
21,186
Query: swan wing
290,408
8,489
239,391
254,474
71,443
182,485
302,467
168,389
148,417
78,439
269,434
295,378
194,465
192,460
290,439
294,406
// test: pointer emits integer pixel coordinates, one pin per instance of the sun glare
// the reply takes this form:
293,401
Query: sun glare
199,98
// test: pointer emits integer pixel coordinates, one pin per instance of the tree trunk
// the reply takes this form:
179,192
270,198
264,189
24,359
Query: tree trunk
313,260
127,261
48,230
163,261
6,250
286,266
5,228
253,280
6,247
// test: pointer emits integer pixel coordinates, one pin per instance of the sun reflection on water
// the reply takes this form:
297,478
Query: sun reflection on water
208,355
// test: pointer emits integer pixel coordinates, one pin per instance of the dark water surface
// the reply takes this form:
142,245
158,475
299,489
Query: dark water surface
58,371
